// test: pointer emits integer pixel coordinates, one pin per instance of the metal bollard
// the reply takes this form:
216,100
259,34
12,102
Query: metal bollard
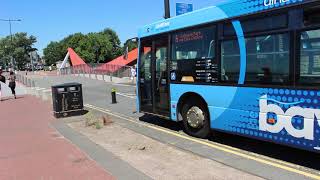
113,96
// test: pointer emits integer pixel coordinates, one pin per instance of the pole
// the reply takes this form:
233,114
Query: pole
166,9
12,59
113,96
31,62
10,20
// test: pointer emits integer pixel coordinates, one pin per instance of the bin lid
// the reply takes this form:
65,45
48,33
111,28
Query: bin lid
67,85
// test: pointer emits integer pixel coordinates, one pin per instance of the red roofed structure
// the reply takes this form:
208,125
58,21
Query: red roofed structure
76,61
120,62
75,58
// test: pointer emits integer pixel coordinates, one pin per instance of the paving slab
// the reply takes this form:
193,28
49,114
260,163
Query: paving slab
32,149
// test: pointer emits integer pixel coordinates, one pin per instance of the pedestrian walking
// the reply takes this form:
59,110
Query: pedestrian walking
133,72
2,80
12,83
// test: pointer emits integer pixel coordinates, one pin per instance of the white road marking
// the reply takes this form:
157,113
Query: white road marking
126,95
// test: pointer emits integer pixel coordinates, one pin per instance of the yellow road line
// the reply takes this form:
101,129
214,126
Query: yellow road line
290,169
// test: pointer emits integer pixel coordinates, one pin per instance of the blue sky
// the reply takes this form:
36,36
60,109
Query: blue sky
52,20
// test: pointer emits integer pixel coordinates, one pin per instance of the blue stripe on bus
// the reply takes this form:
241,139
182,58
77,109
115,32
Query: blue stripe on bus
242,45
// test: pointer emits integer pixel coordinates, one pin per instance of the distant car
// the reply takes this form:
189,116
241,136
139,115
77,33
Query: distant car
39,67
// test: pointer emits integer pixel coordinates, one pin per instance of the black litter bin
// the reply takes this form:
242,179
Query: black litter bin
67,100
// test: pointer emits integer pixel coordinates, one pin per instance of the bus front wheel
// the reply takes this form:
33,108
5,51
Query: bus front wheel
195,119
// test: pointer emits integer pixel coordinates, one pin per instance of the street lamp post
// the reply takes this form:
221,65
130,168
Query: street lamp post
126,48
31,59
166,9
11,20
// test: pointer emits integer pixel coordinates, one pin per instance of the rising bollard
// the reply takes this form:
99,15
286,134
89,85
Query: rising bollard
113,95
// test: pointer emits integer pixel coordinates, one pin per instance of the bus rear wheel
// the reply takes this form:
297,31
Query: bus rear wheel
195,119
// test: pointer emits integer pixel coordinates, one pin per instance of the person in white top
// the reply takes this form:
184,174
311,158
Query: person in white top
2,80
133,72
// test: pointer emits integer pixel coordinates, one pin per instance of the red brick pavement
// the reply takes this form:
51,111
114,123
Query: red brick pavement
31,149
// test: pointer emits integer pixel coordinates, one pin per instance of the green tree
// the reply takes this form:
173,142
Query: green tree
93,47
115,42
54,52
18,47
5,51
72,41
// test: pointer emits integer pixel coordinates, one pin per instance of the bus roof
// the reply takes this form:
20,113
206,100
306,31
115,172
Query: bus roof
223,10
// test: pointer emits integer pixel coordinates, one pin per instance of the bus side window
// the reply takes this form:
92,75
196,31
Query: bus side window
230,61
193,55
230,55
268,59
310,57
310,48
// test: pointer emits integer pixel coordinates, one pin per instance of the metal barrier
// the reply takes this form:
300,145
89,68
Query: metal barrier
23,79
112,71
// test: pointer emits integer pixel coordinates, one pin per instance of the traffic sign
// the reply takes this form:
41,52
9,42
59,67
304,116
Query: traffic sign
182,8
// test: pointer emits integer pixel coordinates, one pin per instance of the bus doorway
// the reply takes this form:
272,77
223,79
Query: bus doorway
153,82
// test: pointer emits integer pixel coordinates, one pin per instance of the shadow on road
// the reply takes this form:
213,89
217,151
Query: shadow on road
71,114
11,98
284,153
161,122
20,97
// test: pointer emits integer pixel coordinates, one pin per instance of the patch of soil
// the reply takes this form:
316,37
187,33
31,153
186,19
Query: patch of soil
156,159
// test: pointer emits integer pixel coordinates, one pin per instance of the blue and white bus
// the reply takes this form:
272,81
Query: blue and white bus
246,67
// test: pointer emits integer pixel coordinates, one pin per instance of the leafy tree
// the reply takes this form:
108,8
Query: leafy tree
5,51
93,47
115,41
18,47
72,41
54,52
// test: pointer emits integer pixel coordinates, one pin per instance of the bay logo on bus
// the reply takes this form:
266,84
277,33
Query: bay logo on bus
284,118
162,25
274,2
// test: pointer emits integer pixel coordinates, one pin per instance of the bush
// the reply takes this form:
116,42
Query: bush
92,120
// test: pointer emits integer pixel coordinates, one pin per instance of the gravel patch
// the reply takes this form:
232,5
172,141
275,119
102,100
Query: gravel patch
156,159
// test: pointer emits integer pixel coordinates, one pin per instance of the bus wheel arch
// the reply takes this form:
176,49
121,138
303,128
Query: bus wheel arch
194,113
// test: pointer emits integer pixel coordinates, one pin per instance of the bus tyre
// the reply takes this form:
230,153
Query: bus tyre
195,119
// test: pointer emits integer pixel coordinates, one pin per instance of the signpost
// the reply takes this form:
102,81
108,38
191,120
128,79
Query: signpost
182,8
